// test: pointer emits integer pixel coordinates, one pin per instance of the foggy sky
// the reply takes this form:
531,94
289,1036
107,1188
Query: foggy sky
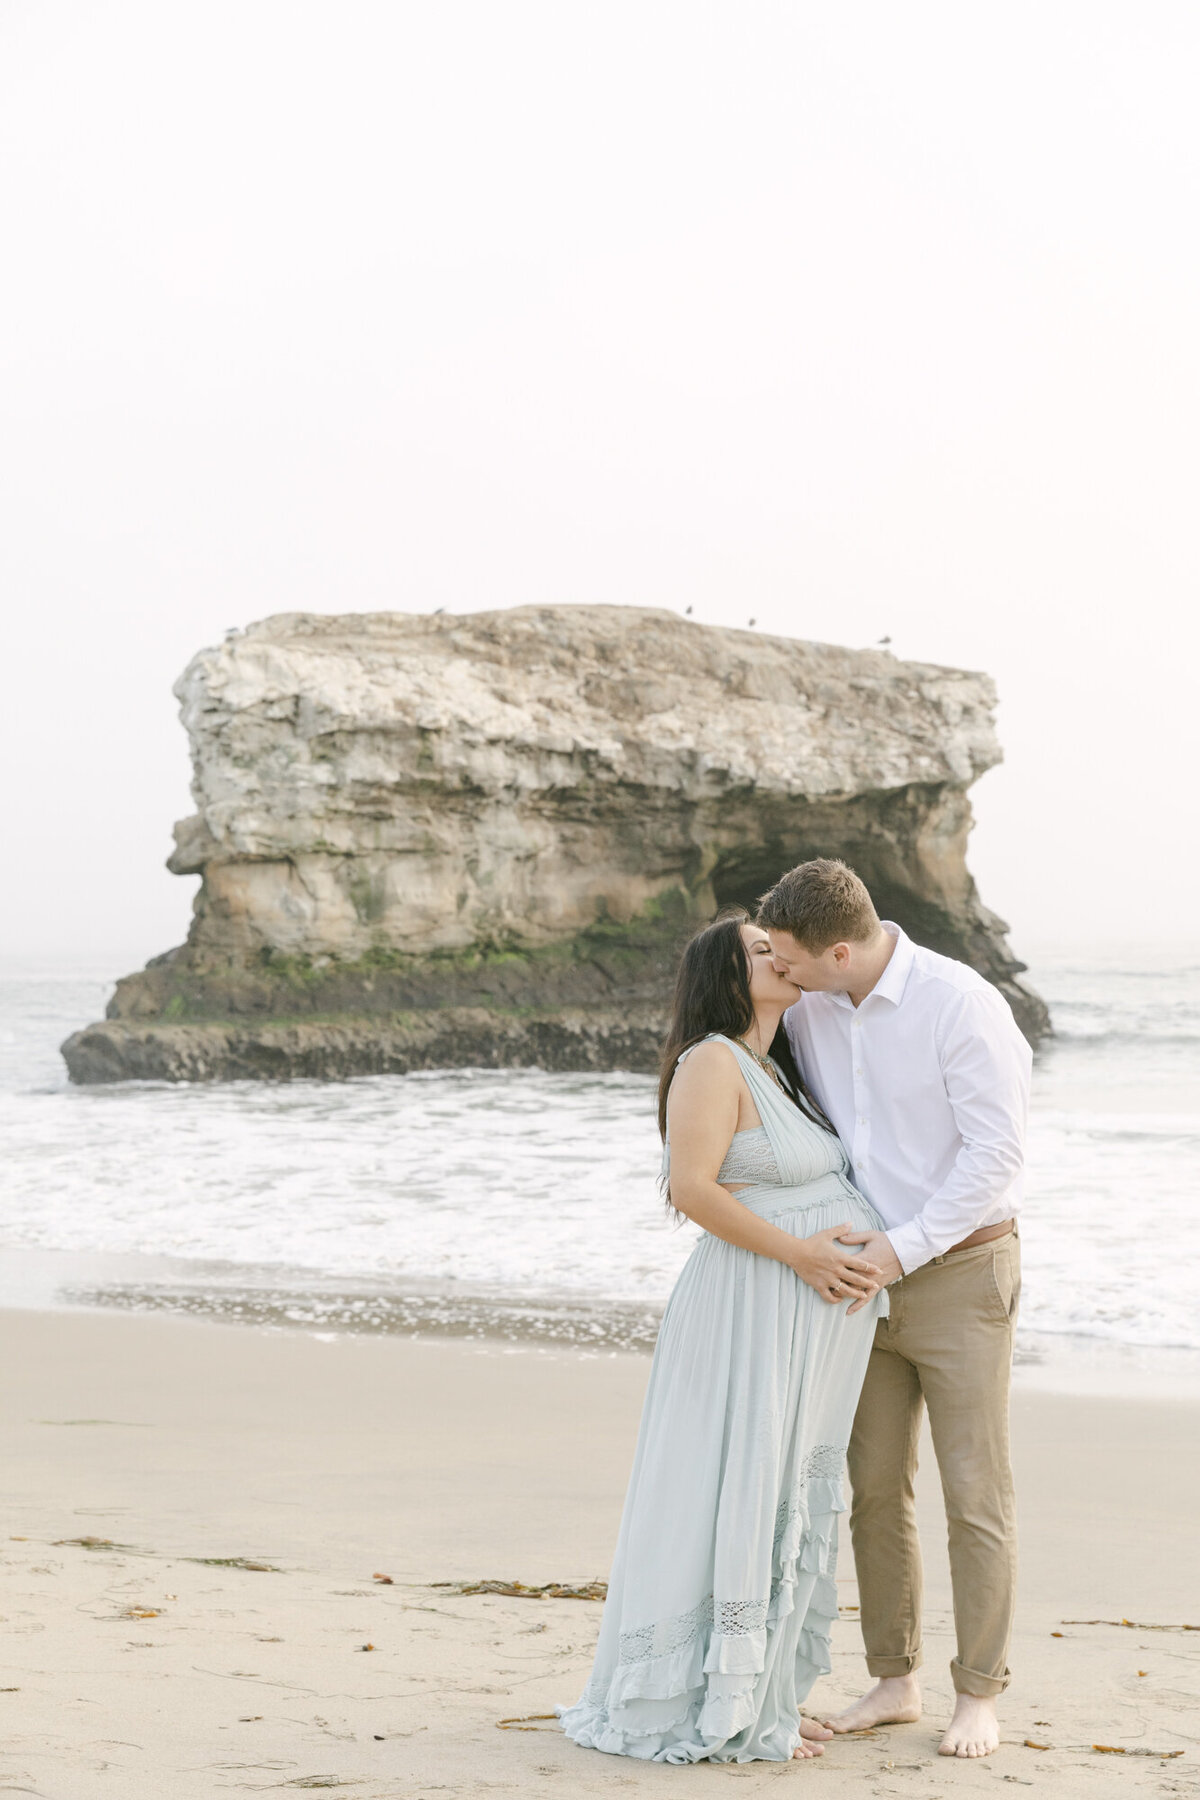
856,320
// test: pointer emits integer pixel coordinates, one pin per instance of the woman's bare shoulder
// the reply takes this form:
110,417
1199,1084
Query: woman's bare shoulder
711,1063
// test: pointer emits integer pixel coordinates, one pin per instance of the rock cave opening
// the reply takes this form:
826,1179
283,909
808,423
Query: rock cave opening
743,877
907,846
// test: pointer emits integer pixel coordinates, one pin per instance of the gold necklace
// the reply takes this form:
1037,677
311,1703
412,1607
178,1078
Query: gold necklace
764,1062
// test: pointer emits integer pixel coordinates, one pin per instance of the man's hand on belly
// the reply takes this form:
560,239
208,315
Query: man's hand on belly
877,1249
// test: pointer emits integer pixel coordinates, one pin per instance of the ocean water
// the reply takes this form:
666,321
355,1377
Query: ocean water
526,1204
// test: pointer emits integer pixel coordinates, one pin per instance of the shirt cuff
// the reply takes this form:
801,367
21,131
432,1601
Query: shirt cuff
908,1241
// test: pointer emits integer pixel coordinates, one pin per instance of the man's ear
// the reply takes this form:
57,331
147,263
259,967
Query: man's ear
841,955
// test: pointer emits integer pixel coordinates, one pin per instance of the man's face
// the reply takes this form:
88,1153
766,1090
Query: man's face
823,971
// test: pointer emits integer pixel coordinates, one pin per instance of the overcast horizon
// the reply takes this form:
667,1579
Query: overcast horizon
878,323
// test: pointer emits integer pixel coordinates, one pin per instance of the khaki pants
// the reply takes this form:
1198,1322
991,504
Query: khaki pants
947,1346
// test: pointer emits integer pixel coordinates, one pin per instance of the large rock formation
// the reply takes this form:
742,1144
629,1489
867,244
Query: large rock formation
448,840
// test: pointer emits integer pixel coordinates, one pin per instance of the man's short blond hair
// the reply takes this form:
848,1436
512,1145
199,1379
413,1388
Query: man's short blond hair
821,902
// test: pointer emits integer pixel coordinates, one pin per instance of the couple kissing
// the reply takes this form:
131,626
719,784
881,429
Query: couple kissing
843,1115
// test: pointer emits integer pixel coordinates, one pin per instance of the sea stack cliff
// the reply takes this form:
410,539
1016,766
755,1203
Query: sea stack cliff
479,839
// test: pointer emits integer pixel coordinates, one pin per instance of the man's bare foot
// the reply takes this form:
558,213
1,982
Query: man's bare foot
973,1731
814,1732
896,1700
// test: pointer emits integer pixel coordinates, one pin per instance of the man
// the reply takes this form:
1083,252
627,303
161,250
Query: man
919,1064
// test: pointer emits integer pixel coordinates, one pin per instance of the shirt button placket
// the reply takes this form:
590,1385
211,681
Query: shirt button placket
861,1150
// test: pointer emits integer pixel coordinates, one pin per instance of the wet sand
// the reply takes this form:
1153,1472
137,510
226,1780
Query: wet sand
134,1667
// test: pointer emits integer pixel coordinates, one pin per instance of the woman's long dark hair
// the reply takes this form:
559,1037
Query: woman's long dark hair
712,993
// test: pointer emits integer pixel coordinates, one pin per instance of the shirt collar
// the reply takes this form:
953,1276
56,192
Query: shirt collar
894,980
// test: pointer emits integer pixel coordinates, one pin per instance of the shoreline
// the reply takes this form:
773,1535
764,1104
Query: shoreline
306,1302
153,1461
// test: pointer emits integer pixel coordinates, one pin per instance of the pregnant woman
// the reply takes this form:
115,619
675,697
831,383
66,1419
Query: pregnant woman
722,1590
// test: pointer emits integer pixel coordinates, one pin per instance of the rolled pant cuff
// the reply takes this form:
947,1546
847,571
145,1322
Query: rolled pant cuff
970,1681
883,1666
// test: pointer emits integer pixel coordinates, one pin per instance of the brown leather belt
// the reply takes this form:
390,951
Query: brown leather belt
984,1235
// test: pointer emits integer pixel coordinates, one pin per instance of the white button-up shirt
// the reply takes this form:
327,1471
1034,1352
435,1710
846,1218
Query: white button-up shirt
927,1084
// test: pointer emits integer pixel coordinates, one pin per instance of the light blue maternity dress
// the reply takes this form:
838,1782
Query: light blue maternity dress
722,1590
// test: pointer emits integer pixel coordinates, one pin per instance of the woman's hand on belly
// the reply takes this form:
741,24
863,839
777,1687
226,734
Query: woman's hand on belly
833,1270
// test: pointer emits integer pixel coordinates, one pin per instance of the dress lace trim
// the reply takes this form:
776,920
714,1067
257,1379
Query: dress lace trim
730,1618
751,1158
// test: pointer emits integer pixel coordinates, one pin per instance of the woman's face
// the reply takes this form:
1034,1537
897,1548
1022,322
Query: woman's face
767,985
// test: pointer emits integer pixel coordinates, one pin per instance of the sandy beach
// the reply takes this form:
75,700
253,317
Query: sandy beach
142,1453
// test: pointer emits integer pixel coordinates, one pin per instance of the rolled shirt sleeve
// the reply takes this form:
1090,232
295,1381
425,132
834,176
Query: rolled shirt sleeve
986,1066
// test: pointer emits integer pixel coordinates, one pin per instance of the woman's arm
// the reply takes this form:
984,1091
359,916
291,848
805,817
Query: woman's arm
702,1111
